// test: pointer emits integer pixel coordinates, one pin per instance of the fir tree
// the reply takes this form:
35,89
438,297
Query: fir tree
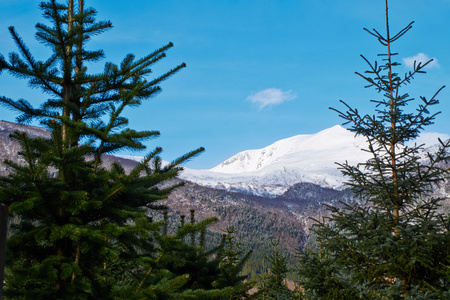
82,229
273,284
233,258
397,244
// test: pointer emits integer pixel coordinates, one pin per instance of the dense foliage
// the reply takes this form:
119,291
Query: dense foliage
81,229
397,245
273,283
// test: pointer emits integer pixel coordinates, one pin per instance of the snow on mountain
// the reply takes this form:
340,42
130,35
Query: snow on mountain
272,170
301,150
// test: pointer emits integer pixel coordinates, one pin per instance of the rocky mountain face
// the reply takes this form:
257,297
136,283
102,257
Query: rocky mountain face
9,148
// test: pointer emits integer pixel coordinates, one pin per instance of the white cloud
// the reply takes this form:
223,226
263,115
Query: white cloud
270,97
420,57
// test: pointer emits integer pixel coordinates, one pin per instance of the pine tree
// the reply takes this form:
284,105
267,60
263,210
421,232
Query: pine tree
233,258
395,244
187,270
273,284
82,229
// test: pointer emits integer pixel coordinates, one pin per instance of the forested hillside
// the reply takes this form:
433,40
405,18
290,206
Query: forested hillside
257,219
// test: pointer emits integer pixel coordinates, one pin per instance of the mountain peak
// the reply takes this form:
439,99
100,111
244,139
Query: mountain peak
254,160
273,169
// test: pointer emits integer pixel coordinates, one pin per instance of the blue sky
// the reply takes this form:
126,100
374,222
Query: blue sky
257,71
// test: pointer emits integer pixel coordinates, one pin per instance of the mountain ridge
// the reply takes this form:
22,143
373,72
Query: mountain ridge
288,214
270,171
312,158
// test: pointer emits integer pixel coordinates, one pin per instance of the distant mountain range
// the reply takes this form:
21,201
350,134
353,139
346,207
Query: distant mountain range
308,158
264,193
267,172
9,148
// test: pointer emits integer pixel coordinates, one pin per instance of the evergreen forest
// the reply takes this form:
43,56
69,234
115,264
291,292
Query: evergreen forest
83,226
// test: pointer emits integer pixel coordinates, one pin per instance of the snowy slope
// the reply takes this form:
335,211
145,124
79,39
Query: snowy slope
301,151
303,158
269,171
273,169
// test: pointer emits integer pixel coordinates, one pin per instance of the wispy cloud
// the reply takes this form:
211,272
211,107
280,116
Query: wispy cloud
420,58
271,97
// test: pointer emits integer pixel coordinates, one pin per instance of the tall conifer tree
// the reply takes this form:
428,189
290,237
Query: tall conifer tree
83,230
234,257
273,284
396,244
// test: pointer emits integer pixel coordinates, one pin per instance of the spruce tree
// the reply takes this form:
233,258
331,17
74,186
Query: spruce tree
232,261
82,229
273,284
394,243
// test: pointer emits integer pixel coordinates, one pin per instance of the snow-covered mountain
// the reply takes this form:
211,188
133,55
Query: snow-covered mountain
275,168
270,171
